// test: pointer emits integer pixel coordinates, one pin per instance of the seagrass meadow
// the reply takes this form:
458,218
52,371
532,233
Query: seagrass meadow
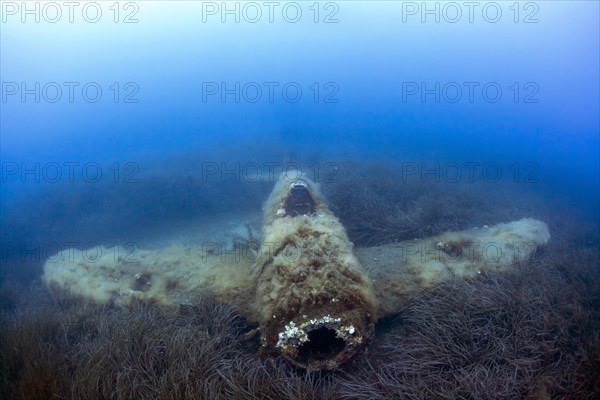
532,332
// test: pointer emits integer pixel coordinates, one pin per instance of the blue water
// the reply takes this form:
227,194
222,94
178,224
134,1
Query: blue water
186,83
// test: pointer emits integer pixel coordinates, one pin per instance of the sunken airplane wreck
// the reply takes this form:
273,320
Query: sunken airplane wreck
314,297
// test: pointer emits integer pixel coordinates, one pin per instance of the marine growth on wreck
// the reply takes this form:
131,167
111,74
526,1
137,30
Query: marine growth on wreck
314,298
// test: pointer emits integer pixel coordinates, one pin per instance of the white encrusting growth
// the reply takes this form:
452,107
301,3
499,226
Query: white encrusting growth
169,277
401,269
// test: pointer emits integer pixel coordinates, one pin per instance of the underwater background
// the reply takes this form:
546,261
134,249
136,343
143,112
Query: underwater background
162,122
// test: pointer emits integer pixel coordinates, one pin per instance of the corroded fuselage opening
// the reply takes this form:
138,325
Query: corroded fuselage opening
300,201
322,344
